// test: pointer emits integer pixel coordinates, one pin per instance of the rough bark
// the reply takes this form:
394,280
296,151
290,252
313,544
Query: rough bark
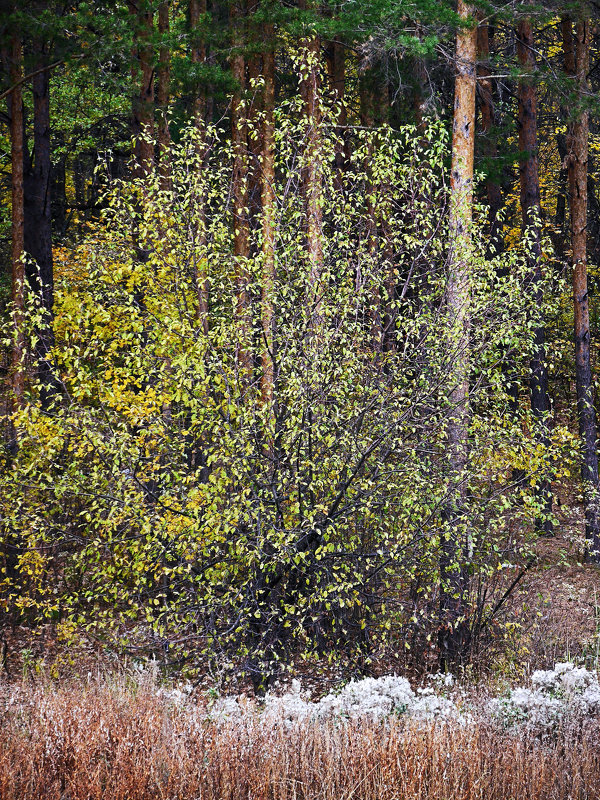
143,77
577,165
531,218
454,546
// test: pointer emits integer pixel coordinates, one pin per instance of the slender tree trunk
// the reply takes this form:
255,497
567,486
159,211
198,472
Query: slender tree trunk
268,220
486,98
577,161
241,232
198,55
38,217
336,63
143,77
58,190
254,140
454,546
313,189
367,120
18,222
162,89
531,215
419,78
197,8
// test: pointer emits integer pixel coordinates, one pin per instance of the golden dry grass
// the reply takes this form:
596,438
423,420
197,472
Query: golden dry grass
107,740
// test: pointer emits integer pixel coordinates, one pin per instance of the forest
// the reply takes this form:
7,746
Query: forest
299,362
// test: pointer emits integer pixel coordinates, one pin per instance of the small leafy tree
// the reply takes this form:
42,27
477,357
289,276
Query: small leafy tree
168,505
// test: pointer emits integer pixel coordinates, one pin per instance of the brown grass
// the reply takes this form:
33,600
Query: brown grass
105,740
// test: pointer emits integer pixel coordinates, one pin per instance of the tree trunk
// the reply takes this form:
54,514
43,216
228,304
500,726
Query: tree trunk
241,226
198,9
490,150
58,189
143,76
312,180
162,89
268,220
15,100
577,161
336,63
454,545
367,120
38,216
531,216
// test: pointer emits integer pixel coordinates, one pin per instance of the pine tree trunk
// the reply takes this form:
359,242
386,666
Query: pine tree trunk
38,216
197,8
453,639
367,120
486,99
336,63
18,222
577,160
162,90
268,220
241,226
198,54
143,76
312,179
531,216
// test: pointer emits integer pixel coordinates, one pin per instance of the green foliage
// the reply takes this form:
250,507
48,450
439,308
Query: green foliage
161,502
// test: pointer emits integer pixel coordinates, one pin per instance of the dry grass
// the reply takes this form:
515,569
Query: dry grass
107,740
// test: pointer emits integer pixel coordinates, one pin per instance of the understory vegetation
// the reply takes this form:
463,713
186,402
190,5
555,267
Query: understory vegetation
172,497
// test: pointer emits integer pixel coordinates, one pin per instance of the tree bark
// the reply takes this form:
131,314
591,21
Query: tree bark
268,221
577,165
38,216
197,9
531,217
143,76
241,225
15,100
336,63
162,90
453,638
313,189
367,120
488,120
